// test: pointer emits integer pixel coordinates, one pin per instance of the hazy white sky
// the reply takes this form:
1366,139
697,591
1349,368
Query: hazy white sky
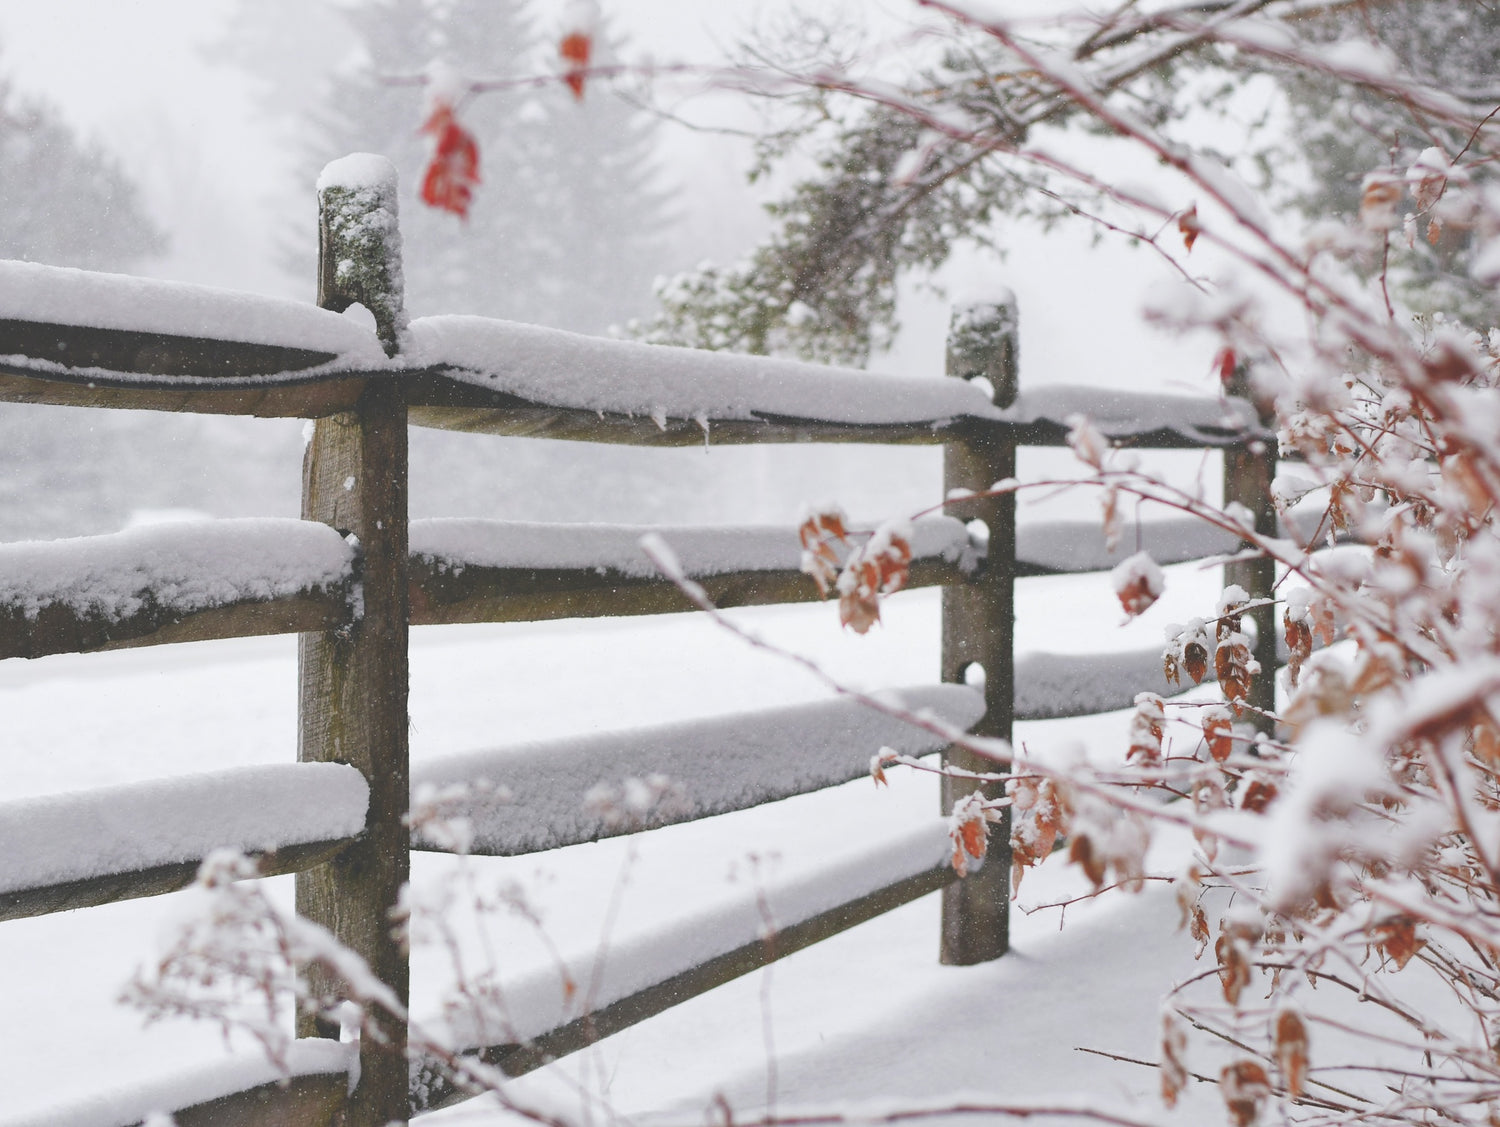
133,73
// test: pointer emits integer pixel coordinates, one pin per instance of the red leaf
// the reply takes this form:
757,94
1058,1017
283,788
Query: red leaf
575,49
454,170
1225,363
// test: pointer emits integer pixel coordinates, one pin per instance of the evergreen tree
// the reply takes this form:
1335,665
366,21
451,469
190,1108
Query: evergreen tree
902,177
64,201
567,226
1340,133
600,245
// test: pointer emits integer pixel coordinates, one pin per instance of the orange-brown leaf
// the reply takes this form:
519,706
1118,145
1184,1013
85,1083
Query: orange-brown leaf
1397,940
1189,227
1258,794
1218,733
1291,1051
1174,1073
1082,853
1232,665
1299,641
1244,1086
1146,730
1234,966
1195,661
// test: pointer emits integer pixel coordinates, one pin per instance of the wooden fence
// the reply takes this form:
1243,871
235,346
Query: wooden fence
353,576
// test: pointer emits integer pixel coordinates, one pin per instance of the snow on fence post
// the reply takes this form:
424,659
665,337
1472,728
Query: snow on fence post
353,705
1249,469
979,618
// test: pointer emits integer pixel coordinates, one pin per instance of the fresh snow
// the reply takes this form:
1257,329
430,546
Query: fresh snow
1079,545
888,1011
562,369
454,543
1122,414
126,1106
562,792
121,829
356,171
56,295
537,1002
1052,685
179,566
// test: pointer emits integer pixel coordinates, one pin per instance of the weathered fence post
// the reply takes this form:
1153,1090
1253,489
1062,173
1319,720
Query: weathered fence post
353,705
1249,469
979,620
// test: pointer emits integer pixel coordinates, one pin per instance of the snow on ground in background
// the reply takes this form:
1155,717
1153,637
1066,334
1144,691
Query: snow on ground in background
59,295
871,1016
691,935
657,381
180,565
151,713
120,829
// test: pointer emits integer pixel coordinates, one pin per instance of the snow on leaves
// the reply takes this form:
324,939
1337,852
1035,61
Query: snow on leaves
1234,666
1186,652
968,828
1397,940
1138,582
1174,1073
453,172
1379,198
1146,730
1244,1086
1040,816
860,573
822,533
1290,1043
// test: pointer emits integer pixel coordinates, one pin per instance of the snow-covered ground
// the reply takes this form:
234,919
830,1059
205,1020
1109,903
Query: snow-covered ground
867,1016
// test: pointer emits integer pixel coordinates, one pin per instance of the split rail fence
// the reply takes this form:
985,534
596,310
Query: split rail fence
352,576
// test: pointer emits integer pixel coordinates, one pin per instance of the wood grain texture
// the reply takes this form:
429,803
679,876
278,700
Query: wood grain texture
20,383
155,881
488,594
302,1101
353,681
1249,469
58,628
978,625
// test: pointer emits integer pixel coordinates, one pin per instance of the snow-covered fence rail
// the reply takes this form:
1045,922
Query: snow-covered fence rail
199,580
353,576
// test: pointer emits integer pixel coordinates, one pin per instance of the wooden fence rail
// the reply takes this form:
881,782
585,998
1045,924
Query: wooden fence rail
352,576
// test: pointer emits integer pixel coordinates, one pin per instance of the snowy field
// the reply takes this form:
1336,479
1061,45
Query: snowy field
868,1016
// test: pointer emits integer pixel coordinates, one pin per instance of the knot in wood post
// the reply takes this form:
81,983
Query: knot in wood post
353,680
979,617
359,243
